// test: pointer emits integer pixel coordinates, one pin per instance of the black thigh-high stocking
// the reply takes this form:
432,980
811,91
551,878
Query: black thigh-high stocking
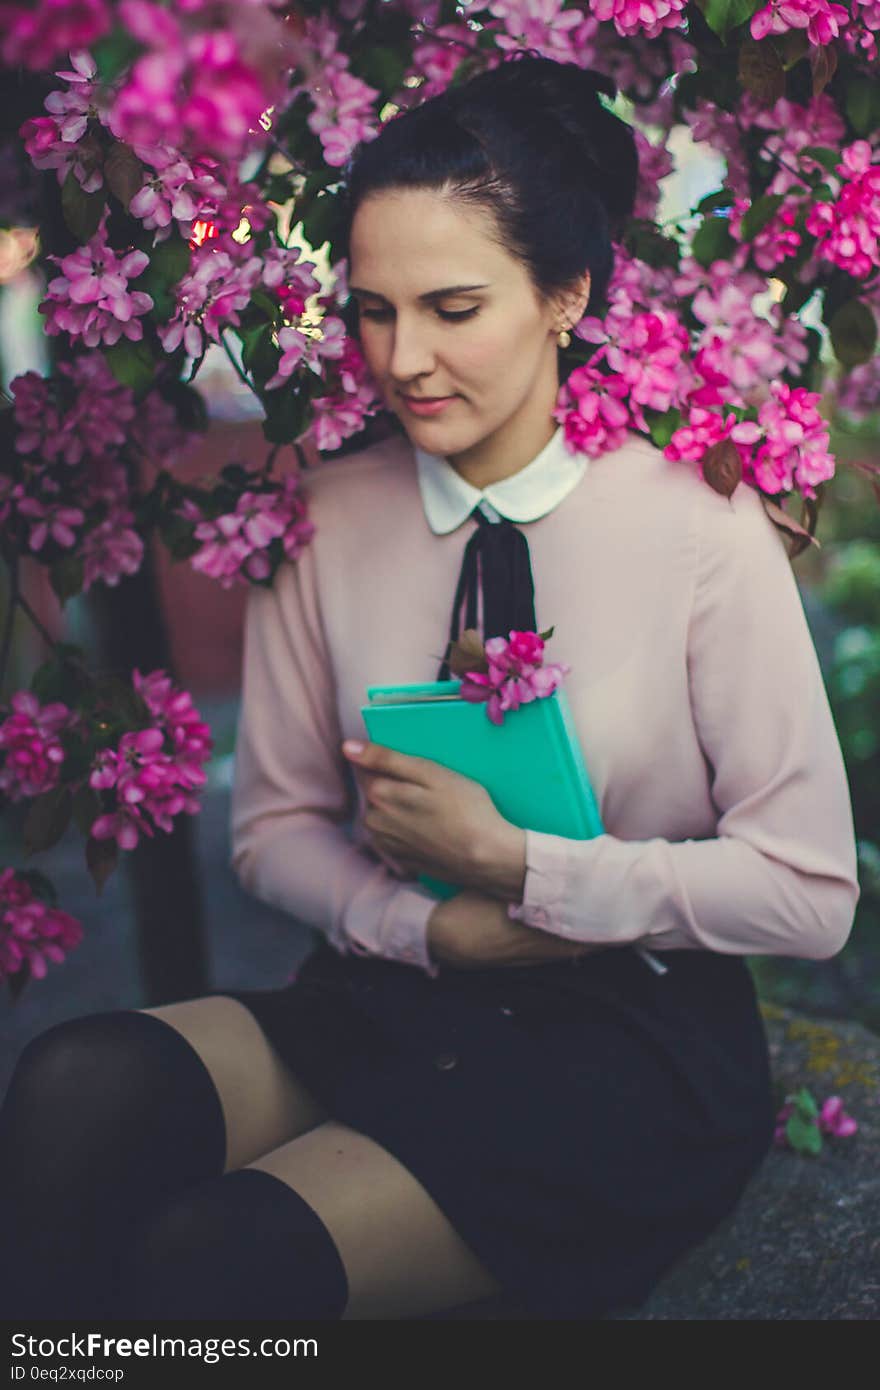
106,1116
244,1245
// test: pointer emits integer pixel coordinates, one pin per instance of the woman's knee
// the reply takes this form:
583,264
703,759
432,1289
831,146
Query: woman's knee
241,1245
120,1073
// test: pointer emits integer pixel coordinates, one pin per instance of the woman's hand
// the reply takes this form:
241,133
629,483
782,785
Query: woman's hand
472,931
428,819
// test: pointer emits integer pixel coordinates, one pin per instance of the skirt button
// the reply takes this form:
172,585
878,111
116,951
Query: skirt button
445,1060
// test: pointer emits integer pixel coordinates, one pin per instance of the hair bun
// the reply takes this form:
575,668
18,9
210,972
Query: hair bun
574,100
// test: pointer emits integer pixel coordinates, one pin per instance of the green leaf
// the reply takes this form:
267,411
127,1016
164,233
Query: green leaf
132,364
803,1134
829,159
81,211
722,198
662,427
47,819
66,577
862,97
123,172
724,15
114,53
712,241
41,886
284,420
102,857
170,260
761,212
853,331
805,1103
323,221
259,354
86,809
381,67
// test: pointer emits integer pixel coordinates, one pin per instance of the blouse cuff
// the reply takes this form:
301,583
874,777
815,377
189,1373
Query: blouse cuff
404,932
549,884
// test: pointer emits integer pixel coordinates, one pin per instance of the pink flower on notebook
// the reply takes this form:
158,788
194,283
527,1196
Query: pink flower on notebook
505,672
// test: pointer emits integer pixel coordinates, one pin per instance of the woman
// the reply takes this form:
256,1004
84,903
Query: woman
414,1124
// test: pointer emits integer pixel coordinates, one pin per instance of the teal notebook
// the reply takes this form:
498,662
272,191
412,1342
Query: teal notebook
531,765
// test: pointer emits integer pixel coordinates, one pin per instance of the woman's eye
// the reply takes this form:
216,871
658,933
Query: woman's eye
379,315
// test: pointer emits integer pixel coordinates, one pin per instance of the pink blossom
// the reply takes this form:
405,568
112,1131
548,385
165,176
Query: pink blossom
193,89
833,1119
539,24
32,933
592,410
90,299
701,430
517,675
30,747
343,115
69,425
62,140
642,17
776,241
37,34
858,390
791,442
111,549
236,544
655,162
51,521
220,283
152,773
848,229
821,19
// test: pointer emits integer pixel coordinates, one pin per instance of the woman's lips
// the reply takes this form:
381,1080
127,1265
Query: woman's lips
427,407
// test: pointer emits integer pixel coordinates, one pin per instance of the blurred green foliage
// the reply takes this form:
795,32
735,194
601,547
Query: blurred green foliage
846,583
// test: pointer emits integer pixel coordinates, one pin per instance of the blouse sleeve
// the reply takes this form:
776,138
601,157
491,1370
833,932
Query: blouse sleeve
780,876
291,798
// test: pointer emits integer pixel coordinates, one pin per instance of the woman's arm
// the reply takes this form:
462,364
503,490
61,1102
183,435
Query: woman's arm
291,796
780,876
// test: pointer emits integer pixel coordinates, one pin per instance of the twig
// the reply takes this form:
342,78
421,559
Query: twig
9,624
239,371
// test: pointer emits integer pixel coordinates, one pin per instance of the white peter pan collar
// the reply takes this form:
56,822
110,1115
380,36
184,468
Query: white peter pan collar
448,499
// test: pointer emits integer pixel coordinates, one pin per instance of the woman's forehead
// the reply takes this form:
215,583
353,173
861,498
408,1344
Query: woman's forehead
425,239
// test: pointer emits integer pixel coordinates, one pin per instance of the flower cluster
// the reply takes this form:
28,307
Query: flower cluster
269,522
32,933
91,417
848,230
516,674
219,284
151,774
91,300
800,1123
31,751
822,19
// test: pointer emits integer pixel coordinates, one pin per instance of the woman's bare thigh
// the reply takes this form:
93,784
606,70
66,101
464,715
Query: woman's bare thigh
402,1256
263,1103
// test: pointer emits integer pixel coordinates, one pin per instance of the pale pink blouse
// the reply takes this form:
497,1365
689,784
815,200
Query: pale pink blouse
694,686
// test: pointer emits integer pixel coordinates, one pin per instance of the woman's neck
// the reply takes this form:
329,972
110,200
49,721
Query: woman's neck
503,453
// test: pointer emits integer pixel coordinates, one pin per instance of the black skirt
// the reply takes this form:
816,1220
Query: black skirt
582,1124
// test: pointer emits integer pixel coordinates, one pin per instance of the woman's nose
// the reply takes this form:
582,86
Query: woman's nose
411,352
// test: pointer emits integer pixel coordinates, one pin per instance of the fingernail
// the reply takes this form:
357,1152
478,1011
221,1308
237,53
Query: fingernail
353,746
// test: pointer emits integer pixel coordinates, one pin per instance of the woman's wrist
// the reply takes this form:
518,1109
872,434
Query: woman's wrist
499,864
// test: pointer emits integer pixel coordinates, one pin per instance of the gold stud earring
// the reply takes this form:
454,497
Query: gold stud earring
564,338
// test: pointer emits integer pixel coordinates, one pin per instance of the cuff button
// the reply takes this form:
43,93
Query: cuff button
445,1061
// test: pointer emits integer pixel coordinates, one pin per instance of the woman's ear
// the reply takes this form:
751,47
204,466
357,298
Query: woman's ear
572,305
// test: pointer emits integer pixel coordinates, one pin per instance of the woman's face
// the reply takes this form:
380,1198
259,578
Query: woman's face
490,347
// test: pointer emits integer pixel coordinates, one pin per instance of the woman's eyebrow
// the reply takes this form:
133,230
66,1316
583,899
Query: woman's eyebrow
430,295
